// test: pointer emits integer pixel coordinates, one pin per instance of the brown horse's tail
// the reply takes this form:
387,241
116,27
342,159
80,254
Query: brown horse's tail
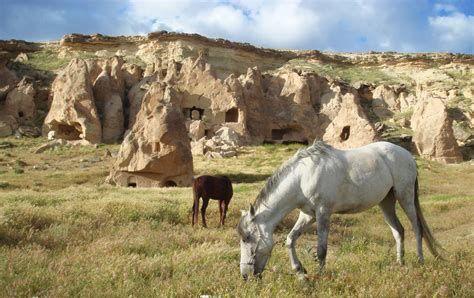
430,241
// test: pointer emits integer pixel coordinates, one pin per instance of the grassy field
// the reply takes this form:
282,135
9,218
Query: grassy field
64,233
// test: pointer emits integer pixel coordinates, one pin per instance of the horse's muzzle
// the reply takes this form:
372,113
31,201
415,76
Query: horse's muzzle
246,270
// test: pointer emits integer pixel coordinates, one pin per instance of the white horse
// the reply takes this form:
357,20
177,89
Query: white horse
321,180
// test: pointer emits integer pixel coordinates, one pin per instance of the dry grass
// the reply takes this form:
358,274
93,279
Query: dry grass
64,233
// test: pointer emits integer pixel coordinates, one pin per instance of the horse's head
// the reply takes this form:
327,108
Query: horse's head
255,248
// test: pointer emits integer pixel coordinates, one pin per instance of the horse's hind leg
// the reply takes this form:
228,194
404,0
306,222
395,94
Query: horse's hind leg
221,212
196,209
407,201
388,209
304,221
223,207
205,201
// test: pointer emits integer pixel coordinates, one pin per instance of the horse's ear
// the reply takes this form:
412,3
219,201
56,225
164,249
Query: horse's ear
252,210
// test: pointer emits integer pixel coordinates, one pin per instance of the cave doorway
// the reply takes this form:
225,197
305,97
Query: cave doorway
277,134
345,133
170,183
232,115
193,113
68,132
131,182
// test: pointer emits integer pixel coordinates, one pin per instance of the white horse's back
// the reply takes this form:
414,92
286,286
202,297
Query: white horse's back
348,181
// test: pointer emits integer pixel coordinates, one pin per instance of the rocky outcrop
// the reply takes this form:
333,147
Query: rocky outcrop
156,152
109,106
73,114
385,101
8,80
78,40
433,132
350,128
223,144
132,74
109,95
20,102
135,97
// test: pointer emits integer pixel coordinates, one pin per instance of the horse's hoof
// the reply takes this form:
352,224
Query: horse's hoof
300,269
301,276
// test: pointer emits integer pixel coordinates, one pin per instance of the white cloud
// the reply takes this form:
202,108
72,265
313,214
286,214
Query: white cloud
454,31
353,25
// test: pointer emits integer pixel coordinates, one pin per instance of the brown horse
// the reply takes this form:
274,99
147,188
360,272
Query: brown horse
211,187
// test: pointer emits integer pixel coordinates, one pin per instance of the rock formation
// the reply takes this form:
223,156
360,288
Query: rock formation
8,80
73,114
350,128
261,95
156,152
433,132
20,102
108,101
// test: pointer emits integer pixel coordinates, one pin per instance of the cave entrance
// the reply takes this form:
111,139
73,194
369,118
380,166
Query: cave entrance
156,147
232,115
131,182
193,113
277,134
170,183
345,133
68,132
178,66
21,114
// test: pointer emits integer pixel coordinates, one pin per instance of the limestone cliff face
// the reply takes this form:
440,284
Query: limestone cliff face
262,95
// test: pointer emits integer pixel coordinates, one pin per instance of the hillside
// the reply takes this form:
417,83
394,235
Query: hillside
388,84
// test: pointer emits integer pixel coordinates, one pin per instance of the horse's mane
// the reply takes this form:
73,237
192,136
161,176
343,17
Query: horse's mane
316,151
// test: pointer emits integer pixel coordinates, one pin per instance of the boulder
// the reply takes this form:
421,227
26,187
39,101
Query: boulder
196,129
135,97
8,124
73,114
433,131
385,101
227,136
22,57
132,74
5,129
28,131
156,152
198,147
20,102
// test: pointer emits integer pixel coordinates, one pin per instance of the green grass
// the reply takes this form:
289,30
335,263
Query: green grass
46,60
64,233
351,74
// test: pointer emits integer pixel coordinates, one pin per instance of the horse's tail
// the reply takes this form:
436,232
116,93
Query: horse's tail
430,241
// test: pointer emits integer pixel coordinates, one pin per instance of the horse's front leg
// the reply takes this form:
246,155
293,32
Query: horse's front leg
322,220
303,222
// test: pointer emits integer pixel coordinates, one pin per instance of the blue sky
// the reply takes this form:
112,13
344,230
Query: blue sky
336,25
